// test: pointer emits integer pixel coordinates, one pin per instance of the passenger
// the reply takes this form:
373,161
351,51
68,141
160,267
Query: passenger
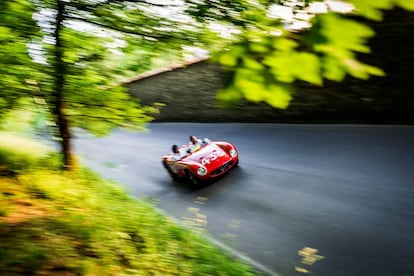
176,153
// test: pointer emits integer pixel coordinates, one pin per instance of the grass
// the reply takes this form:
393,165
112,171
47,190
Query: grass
20,153
75,223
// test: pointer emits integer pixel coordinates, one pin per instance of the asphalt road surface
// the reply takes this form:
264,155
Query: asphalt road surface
321,199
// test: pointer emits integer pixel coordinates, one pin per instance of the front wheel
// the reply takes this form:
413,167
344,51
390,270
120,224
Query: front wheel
170,172
192,178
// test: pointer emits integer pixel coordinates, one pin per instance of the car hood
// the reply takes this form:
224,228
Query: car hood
210,156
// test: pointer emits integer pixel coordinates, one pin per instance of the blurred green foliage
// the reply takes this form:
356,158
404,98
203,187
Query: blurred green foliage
18,153
19,119
64,53
265,57
72,54
374,9
17,29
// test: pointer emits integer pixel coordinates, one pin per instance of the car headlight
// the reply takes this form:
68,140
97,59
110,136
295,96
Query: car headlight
202,171
233,153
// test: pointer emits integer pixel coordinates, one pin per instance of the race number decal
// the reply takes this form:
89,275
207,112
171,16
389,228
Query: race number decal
212,156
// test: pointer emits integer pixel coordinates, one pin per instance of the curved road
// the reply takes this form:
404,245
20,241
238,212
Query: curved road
321,199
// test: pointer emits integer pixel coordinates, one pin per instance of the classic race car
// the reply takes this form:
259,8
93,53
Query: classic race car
211,160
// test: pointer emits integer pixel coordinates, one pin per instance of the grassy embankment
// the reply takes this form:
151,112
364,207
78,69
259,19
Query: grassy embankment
75,223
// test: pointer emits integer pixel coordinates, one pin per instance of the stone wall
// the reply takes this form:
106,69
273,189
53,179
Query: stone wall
189,95
189,91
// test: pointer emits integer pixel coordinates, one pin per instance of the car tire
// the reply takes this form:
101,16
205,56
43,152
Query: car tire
192,178
170,172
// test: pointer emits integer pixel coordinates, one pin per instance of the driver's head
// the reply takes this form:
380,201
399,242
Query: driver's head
175,148
193,139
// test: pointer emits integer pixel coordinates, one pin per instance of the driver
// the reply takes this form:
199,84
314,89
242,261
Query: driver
195,143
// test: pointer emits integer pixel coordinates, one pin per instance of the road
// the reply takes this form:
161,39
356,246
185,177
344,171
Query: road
320,199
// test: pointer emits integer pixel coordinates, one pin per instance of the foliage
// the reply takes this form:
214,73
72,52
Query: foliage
74,223
18,154
92,103
17,28
77,44
19,119
267,58
374,9
74,53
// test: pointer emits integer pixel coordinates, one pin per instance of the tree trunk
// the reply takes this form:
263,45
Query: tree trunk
59,104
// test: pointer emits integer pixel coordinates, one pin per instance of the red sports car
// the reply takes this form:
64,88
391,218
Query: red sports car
209,161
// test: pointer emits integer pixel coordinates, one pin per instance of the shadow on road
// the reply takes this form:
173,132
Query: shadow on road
184,186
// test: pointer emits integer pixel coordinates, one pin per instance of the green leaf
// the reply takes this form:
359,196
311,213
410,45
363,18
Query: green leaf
345,34
342,38
360,70
229,96
279,96
6,34
372,9
228,59
257,47
231,57
307,67
252,91
251,63
284,44
333,69
249,83
281,65
406,4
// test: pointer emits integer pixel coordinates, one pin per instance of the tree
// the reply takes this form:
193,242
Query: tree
265,58
74,79
16,31
74,76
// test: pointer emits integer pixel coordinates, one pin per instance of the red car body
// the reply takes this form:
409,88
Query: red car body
210,161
